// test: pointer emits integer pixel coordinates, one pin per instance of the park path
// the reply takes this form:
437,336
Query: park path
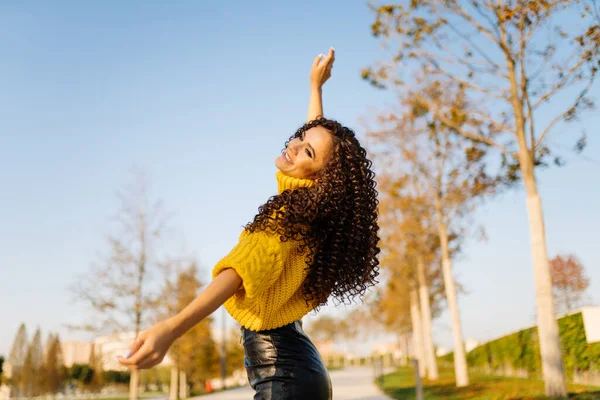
348,384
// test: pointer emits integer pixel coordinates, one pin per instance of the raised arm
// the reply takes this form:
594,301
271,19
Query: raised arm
319,73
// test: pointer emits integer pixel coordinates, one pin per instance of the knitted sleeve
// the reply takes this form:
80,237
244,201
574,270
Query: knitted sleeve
256,259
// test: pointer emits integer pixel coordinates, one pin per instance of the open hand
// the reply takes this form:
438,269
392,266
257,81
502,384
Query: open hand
149,347
321,71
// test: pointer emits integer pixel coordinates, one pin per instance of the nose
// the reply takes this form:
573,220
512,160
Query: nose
295,146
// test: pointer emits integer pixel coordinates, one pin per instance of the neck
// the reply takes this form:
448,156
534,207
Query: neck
285,182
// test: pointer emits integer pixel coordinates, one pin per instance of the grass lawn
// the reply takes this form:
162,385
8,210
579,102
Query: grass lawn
400,385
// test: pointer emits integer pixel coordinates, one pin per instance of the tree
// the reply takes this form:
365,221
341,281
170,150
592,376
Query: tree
31,372
118,289
194,354
81,373
416,254
417,330
358,323
409,250
569,281
19,348
391,307
324,329
95,363
511,59
434,180
1,370
16,358
53,366
234,351
398,307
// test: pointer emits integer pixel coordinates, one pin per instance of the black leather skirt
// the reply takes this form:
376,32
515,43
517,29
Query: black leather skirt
283,363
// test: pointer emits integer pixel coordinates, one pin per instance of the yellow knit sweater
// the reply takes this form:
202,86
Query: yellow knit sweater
272,273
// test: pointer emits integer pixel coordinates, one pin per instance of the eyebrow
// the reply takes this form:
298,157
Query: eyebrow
313,150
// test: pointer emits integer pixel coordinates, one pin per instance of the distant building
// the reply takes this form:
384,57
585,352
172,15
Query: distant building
591,323
76,353
470,344
383,348
441,351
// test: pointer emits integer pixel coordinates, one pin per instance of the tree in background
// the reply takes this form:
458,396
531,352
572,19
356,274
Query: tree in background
324,329
95,363
432,180
391,306
357,324
408,256
194,354
511,59
82,374
16,357
54,369
234,350
1,370
118,289
32,376
569,282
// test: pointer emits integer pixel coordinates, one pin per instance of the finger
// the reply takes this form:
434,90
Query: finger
317,60
330,57
135,345
138,357
150,362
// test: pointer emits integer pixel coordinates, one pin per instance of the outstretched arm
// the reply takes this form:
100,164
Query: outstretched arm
150,346
319,73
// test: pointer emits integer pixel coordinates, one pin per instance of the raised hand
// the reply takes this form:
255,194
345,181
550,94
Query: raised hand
321,69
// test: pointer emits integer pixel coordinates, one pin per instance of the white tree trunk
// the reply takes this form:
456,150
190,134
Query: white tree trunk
183,387
415,316
460,359
552,362
403,345
174,381
430,359
134,384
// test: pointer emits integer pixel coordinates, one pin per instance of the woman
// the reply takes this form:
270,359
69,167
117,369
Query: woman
317,238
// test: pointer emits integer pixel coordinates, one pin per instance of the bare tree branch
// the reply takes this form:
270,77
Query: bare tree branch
469,18
562,115
459,129
565,81
474,46
469,83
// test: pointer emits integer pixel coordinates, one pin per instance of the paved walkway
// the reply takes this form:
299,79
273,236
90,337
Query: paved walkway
348,384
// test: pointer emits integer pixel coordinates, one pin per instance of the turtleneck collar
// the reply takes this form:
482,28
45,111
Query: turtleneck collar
285,182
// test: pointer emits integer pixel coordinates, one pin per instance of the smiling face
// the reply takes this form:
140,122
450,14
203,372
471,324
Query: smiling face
305,156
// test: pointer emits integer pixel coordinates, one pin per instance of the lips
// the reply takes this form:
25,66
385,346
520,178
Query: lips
286,157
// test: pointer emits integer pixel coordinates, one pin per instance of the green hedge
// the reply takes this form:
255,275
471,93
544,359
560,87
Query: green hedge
521,350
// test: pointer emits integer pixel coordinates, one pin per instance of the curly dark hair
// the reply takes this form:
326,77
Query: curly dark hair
335,219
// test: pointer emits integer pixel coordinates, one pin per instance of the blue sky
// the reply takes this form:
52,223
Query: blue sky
202,95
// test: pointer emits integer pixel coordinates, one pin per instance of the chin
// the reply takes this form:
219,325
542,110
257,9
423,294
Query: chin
279,164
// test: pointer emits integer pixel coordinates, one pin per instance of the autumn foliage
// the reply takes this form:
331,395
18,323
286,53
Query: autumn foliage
569,281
